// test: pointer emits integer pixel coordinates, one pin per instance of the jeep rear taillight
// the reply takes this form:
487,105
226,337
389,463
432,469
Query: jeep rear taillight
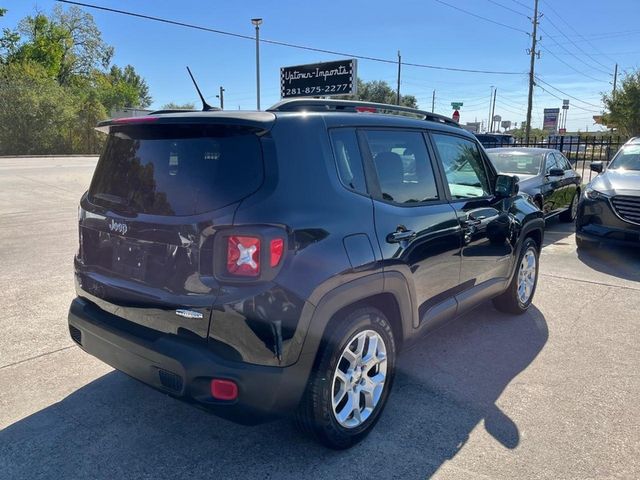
249,253
243,256
276,249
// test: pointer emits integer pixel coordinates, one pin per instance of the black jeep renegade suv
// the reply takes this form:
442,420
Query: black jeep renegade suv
269,263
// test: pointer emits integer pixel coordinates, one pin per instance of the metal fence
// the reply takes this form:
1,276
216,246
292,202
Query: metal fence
580,150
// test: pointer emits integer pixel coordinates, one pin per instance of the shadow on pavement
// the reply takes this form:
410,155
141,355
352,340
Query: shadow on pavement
446,385
558,232
621,262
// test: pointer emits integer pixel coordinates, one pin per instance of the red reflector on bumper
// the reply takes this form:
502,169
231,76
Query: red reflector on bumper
224,389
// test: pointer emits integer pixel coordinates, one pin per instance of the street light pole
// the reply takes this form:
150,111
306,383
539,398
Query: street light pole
257,22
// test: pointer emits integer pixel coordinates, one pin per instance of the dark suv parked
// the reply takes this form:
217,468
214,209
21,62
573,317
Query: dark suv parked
271,263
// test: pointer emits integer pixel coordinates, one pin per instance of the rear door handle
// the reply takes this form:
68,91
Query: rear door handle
401,236
471,222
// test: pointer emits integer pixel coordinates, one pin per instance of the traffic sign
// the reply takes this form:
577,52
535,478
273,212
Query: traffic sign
456,116
456,105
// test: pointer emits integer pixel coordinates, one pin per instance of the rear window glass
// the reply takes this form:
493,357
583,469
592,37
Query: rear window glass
176,169
516,162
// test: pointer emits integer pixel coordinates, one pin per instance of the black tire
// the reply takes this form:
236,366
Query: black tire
315,415
509,301
569,215
583,244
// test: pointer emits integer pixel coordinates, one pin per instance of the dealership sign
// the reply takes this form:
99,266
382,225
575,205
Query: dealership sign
550,121
319,79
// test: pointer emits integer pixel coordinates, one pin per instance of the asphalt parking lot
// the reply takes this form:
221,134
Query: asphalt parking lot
552,394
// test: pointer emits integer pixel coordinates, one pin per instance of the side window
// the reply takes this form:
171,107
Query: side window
463,166
562,162
402,162
550,163
348,159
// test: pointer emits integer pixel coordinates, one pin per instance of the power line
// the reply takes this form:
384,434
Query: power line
522,4
507,8
577,33
575,44
284,44
560,98
481,17
572,67
565,93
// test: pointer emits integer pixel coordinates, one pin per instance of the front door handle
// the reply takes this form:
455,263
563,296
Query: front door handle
401,236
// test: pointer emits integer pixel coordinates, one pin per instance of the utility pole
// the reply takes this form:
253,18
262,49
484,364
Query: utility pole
490,100
533,53
493,108
615,79
221,97
433,102
399,65
257,22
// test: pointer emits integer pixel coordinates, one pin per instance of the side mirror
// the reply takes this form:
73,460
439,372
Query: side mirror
556,172
507,186
597,167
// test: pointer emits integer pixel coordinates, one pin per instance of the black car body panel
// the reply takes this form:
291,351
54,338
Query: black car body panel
609,210
157,297
553,193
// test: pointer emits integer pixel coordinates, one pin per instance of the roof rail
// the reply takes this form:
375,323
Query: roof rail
325,105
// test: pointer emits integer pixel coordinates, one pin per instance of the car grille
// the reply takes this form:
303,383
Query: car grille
627,207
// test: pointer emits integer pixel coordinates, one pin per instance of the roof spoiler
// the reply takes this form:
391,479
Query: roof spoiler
324,105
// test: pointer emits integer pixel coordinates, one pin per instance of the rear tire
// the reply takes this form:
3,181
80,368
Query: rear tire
344,397
569,215
519,295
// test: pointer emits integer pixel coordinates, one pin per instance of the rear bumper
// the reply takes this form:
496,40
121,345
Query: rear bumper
184,369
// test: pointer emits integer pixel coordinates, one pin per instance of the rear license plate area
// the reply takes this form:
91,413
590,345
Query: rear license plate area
129,260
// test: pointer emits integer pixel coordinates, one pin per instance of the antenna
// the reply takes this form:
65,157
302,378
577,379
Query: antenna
205,106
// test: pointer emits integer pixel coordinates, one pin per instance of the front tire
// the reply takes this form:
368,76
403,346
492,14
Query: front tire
519,295
350,384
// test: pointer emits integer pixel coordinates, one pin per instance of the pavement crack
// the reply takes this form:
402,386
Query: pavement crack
592,282
37,356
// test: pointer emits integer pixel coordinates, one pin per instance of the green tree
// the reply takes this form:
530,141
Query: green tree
177,106
380,91
623,106
56,83
535,133
122,88
36,113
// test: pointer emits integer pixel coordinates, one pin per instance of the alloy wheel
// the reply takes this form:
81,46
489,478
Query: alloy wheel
359,379
527,275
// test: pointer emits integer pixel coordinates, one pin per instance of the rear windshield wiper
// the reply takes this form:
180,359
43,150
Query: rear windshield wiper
122,205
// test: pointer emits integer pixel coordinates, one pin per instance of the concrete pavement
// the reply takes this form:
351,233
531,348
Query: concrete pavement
551,394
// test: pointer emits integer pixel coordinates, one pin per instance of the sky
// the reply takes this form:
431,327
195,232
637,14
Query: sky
581,42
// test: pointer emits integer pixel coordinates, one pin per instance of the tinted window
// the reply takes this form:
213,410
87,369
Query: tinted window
550,163
176,169
348,160
463,166
403,166
516,162
562,162
627,158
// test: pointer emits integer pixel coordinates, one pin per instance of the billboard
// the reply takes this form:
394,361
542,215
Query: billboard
319,79
550,121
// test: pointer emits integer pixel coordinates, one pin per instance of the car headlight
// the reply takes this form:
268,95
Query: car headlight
592,194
